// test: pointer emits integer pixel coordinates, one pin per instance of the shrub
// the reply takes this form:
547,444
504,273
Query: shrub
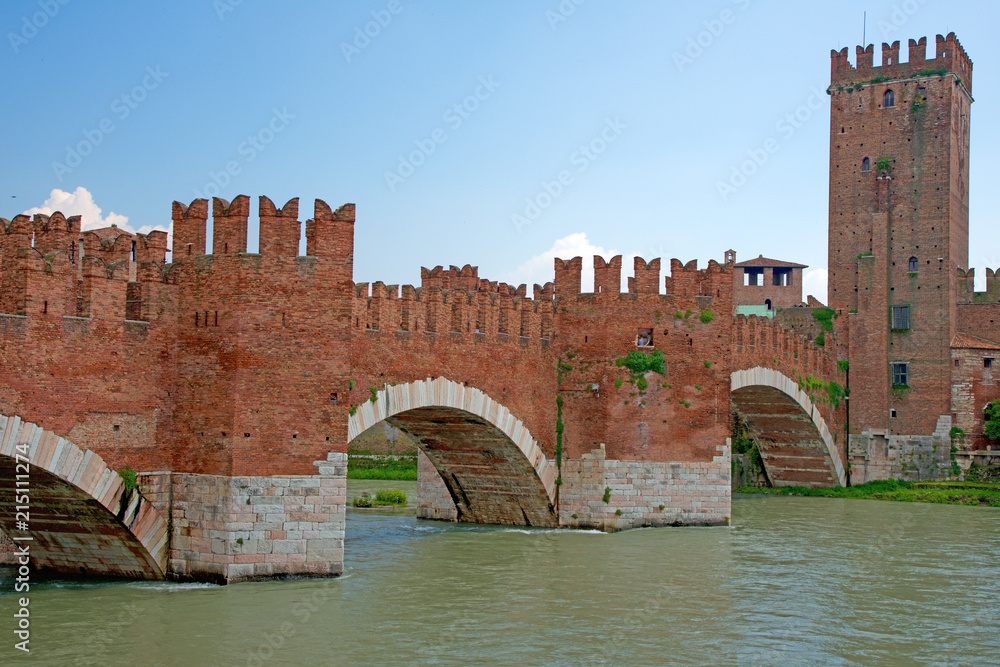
128,476
640,362
992,425
391,496
707,316
607,494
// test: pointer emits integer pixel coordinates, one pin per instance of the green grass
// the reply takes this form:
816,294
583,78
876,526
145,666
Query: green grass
950,493
382,468
383,498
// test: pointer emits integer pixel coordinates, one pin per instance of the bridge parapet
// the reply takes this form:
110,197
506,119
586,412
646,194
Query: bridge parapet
493,310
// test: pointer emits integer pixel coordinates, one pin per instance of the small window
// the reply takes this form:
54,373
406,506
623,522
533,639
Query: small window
767,303
900,317
644,338
333,398
892,413
753,277
913,265
988,362
889,99
956,363
866,165
900,376
781,277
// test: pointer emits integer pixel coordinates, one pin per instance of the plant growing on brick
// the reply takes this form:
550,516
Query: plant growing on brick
607,494
128,477
707,316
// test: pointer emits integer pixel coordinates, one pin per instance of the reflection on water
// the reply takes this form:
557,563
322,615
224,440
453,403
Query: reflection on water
794,581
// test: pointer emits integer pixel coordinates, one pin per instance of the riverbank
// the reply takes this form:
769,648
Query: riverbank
948,493
382,466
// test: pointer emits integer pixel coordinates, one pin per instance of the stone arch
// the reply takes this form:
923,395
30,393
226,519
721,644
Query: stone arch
81,518
798,448
435,410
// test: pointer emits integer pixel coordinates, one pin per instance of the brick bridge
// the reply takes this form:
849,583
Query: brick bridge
234,382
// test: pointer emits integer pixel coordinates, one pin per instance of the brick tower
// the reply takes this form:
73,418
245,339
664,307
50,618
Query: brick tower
899,194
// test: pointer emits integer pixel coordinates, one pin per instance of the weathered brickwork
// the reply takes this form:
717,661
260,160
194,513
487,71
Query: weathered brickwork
899,173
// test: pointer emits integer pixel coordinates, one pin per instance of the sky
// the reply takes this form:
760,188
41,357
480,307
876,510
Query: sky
494,133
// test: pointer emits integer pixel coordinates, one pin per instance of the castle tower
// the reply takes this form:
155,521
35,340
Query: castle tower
899,193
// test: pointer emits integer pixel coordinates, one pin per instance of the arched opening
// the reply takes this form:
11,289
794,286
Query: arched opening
477,462
866,165
767,302
913,265
889,99
795,445
83,521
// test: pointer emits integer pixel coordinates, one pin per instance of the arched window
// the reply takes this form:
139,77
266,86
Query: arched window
866,165
913,265
889,99
767,302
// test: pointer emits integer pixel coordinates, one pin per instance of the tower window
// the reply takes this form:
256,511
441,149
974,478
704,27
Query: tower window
988,362
889,99
913,265
753,276
900,375
866,165
900,317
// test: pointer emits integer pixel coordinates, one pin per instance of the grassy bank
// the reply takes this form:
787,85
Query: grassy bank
950,493
382,498
393,468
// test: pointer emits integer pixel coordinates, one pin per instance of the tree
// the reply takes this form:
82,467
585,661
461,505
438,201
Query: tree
992,425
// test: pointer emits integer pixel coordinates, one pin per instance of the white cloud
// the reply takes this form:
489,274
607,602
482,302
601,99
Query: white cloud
539,269
81,202
814,283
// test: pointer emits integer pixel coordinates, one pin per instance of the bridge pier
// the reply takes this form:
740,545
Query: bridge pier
248,528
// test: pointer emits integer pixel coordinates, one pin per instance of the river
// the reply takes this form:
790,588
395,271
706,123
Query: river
793,581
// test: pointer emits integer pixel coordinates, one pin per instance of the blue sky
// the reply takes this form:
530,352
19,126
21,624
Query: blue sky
492,133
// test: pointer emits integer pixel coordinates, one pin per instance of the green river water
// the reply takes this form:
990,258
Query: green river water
798,581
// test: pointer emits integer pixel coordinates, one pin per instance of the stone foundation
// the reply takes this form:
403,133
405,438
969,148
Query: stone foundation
689,493
433,499
244,528
875,456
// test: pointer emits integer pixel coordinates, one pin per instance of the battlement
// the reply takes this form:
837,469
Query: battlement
685,281
761,341
329,234
966,288
950,57
466,278
488,309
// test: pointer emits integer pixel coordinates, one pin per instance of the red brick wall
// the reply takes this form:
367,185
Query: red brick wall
880,218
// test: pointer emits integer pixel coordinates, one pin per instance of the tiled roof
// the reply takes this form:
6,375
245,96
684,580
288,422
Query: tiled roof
764,261
964,340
